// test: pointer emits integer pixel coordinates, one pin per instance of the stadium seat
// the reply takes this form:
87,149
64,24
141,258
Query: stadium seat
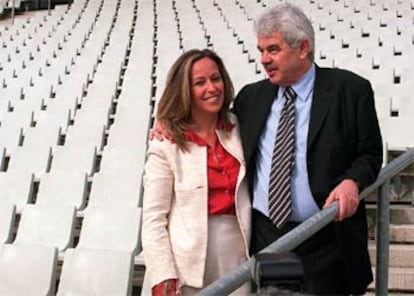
16,188
34,160
27,270
111,228
79,87
2,6
3,159
146,285
122,158
75,158
90,133
87,272
63,188
45,134
7,219
124,189
47,225
392,139
11,136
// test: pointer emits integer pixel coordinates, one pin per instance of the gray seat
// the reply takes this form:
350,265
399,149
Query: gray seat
88,272
47,225
111,228
75,186
27,270
7,218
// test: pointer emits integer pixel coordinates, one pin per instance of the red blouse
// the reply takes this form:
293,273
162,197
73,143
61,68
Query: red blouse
222,172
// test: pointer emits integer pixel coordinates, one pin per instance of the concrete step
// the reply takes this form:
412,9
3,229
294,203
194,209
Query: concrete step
399,280
403,233
400,256
399,213
399,233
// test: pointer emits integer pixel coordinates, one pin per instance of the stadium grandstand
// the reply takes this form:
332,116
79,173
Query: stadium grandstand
79,83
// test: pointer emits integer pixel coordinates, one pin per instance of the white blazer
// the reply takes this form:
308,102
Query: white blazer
175,209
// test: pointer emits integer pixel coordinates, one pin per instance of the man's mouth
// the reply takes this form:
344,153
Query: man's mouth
271,71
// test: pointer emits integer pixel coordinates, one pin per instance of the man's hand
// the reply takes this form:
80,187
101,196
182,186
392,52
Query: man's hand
347,195
159,133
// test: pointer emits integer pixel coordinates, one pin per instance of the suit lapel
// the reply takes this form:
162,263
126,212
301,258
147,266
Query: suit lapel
253,124
264,103
323,95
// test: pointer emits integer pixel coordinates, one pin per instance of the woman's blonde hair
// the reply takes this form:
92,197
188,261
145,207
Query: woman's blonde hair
174,107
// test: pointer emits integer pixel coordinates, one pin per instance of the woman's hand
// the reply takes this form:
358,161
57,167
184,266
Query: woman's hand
168,287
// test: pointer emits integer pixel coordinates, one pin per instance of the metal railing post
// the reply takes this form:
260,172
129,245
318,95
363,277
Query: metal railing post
382,238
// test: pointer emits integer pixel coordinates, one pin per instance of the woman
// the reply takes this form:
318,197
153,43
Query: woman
196,212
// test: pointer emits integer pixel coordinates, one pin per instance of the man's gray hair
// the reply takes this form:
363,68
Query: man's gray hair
290,21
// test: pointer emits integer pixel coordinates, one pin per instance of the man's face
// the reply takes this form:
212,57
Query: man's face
283,64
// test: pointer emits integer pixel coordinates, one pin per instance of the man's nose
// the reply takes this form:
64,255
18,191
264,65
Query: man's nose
265,58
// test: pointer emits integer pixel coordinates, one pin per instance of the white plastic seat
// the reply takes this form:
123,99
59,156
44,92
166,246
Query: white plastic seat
27,270
16,188
131,124
51,226
45,134
74,185
87,272
390,129
75,158
146,285
111,228
121,188
88,134
2,6
120,158
33,159
10,136
7,218
2,158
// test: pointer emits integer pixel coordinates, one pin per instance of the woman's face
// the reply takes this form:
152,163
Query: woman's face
207,88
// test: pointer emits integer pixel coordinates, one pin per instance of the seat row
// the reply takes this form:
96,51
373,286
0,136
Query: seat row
47,250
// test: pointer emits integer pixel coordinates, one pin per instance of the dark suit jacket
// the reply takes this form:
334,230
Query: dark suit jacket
344,142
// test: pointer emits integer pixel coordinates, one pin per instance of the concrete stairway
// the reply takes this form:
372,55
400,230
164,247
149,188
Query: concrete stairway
401,253
401,235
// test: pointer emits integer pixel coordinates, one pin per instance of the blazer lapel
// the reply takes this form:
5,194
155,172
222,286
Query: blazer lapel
323,95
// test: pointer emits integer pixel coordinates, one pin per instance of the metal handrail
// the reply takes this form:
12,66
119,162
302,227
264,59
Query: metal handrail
233,280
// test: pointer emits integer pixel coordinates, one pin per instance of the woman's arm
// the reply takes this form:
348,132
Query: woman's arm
158,193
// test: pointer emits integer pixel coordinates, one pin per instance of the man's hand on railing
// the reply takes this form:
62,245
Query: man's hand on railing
347,195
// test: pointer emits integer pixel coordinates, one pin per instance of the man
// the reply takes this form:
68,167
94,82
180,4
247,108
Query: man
337,151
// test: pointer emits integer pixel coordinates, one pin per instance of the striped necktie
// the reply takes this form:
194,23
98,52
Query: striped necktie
282,163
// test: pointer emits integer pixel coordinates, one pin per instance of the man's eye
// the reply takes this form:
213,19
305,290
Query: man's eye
274,49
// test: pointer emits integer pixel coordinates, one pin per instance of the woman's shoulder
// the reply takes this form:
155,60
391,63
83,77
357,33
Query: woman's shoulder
169,148
160,146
